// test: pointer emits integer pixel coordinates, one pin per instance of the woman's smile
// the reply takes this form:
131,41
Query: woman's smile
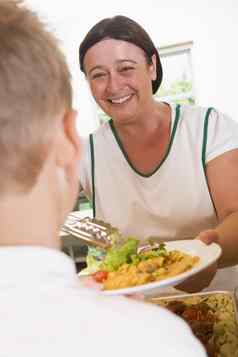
120,100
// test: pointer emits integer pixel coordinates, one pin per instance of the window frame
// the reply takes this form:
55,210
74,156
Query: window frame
176,50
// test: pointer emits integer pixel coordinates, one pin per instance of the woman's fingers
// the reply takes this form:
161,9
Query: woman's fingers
209,236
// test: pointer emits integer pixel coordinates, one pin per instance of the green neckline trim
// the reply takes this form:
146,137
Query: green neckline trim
205,132
93,173
177,116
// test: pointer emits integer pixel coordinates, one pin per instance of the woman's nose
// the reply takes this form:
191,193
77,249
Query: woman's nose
115,83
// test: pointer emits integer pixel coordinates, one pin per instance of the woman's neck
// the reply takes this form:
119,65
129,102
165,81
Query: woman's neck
151,121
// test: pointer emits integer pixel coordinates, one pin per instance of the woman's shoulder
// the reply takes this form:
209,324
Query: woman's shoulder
217,130
103,135
193,112
200,116
190,112
102,129
94,135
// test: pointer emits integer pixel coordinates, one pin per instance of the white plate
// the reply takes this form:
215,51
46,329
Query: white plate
208,254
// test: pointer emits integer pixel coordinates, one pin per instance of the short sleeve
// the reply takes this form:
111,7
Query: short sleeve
84,167
222,135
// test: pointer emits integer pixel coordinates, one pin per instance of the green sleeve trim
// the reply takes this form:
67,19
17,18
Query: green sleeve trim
93,173
177,116
205,132
204,147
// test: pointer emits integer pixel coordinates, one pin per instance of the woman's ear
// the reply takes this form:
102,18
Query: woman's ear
68,151
153,66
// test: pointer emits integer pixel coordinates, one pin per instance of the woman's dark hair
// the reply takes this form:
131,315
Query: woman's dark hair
125,29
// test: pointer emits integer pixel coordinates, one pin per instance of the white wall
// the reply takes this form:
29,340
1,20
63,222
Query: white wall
211,24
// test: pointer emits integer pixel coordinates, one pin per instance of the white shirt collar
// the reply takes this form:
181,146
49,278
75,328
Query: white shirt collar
31,263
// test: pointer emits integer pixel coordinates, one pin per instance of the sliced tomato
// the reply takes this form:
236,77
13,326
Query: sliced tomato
100,276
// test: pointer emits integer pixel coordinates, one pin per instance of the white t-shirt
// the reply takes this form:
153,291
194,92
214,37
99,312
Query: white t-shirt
45,312
174,201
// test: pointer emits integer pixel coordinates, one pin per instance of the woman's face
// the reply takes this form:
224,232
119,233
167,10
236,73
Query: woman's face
120,78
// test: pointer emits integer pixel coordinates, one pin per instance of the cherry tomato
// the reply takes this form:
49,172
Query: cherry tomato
100,276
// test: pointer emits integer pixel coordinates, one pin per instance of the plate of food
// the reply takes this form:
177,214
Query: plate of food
130,269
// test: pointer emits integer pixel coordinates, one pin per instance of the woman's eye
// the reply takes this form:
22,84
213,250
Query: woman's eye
98,75
126,69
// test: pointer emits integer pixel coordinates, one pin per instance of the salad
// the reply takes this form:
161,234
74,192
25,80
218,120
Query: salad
129,265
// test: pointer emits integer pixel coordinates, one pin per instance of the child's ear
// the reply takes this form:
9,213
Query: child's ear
68,149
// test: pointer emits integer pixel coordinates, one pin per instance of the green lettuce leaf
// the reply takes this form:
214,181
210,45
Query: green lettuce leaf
117,256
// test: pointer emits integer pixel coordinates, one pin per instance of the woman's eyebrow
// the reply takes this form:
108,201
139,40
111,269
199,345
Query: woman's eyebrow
120,61
126,60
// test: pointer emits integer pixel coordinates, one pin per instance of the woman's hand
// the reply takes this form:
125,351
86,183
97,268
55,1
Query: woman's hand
209,236
203,279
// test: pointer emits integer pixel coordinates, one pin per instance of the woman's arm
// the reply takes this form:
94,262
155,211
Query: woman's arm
228,239
222,178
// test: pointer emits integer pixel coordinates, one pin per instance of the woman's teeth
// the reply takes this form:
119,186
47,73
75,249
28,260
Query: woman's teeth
120,100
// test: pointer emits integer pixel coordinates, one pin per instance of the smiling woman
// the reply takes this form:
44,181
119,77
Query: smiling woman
121,82
155,168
